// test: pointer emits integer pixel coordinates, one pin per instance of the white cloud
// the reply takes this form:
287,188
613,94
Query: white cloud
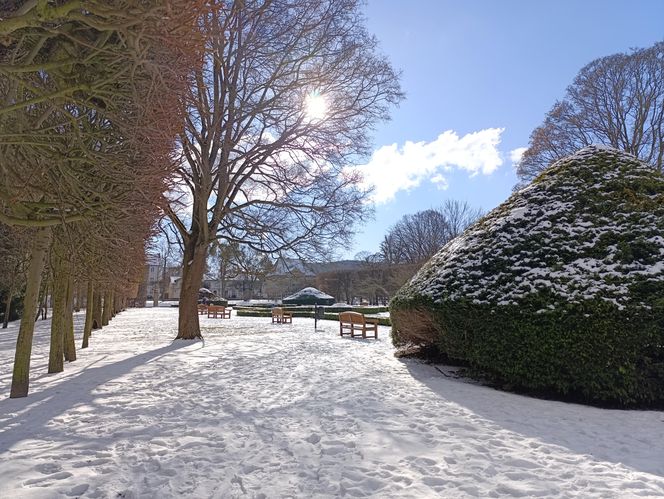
392,168
440,182
516,155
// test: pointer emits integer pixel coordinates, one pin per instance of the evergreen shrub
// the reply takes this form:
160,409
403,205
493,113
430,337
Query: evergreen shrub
559,290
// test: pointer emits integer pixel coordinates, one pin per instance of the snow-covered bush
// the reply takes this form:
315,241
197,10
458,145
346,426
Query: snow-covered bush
559,289
309,296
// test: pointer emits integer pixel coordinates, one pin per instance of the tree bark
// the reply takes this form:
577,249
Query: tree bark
21,373
111,302
8,308
45,303
106,312
78,302
114,305
192,277
70,341
42,301
96,310
59,315
89,307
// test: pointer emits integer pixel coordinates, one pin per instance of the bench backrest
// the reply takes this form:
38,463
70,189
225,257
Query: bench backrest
218,308
277,311
352,317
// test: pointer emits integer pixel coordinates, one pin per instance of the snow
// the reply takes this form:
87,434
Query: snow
260,410
543,235
307,292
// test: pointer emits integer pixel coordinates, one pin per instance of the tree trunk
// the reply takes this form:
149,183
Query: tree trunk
106,312
70,341
78,303
96,310
21,373
192,277
8,308
117,304
114,305
111,302
89,307
42,300
45,303
59,316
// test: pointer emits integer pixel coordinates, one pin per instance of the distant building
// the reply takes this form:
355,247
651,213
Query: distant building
287,276
290,275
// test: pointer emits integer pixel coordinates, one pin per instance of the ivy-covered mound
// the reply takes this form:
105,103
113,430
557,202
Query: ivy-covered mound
560,289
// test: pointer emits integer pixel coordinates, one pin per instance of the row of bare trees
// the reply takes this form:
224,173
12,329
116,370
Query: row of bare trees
114,113
89,100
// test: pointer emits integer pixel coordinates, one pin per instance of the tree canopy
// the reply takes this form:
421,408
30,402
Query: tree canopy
283,102
417,237
615,101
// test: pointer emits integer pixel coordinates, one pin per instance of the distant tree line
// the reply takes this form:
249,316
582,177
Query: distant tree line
407,245
416,238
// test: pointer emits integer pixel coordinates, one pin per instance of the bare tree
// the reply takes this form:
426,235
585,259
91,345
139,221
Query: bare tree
253,266
459,216
416,238
616,101
222,255
284,100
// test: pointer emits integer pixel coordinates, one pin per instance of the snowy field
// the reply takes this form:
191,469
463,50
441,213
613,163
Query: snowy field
263,411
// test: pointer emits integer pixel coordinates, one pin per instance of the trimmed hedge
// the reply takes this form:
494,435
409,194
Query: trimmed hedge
309,308
559,290
589,351
309,300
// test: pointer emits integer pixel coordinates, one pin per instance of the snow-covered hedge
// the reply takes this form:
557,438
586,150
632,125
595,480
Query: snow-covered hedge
560,288
309,296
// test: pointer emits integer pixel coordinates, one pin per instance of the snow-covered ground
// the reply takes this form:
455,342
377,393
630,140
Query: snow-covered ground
261,410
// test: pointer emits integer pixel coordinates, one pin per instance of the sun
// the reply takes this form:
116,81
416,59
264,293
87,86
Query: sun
315,106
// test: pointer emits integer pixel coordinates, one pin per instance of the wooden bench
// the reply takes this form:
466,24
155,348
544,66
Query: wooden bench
351,323
202,309
218,312
281,317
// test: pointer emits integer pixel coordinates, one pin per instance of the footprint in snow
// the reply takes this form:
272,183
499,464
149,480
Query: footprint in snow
78,490
313,438
48,468
46,481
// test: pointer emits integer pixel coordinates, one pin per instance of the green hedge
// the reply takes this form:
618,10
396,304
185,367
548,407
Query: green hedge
589,351
309,308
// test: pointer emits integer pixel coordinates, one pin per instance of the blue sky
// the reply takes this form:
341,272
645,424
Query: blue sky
481,73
